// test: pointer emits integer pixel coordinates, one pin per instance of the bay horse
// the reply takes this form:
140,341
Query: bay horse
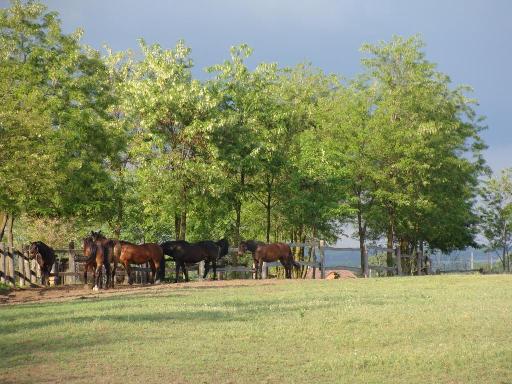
97,255
45,257
184,252
127,253
107,248
268,253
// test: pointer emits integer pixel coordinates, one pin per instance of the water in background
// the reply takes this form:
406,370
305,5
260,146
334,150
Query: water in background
457,260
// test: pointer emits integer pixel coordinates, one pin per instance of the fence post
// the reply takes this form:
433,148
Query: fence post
55,271
71,262
26,267
419,262
322,259
200,269
313,254
398,261
10,261
21,266
264,271
3,263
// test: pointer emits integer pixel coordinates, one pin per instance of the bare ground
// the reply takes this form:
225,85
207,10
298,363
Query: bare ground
81,292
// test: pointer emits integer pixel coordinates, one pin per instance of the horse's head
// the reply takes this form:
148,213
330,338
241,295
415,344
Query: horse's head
242,248
33,250
97,236
88,244
224,247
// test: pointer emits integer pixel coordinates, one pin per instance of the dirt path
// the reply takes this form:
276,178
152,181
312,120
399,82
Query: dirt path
74,292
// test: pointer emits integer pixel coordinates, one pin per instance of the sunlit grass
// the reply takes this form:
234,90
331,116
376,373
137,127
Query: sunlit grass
449,329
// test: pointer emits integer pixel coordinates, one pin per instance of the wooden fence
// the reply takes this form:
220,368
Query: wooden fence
17,269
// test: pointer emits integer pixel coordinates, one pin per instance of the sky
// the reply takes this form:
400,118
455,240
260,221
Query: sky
468,39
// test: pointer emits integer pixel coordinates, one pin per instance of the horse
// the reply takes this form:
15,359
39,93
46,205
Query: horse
184,252
108,250
127,253
45,257
217,250
268,253
98,255
249,246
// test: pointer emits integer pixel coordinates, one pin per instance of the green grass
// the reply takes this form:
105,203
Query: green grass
433,329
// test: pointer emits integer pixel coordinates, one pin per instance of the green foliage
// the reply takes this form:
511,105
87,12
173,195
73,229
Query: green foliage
53,137
496,214
137,144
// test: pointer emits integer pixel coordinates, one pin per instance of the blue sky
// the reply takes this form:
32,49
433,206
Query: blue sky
468,39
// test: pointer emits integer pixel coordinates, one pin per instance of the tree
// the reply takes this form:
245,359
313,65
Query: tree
53,137
169,145
496,214
426,135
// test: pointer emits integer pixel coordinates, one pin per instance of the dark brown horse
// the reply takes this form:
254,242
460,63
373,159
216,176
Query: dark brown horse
128,253
184,252
216,250
98,256
268,253
45,257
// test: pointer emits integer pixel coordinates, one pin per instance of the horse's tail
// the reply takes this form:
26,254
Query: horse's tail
161,270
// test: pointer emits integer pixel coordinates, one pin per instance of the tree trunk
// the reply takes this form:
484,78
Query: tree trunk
183,225
10,248
177,226
238,209
268,206
389,252
362,249
3,224
117,230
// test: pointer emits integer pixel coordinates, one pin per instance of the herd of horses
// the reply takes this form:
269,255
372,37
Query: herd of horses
101,253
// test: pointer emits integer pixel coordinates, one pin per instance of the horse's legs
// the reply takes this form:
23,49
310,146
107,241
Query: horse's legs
153,272
176,276
258,264
128,272
113,274
214,262
108,273
97,277
156,274
185,272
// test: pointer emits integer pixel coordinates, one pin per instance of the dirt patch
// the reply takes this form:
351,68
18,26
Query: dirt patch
80,292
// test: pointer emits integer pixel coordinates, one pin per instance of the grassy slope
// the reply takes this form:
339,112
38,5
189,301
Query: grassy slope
449,329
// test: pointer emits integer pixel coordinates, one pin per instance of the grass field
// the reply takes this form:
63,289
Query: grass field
435,329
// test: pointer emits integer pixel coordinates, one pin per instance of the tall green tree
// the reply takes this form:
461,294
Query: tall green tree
53,136
496,214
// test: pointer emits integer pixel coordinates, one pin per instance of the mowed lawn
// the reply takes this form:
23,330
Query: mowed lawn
432,329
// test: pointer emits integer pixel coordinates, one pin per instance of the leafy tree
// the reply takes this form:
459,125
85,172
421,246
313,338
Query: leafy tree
496,214
53,137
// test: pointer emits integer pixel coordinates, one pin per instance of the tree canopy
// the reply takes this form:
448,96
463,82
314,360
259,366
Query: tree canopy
135,143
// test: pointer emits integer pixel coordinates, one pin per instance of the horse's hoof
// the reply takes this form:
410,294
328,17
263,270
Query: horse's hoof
157,282
95,288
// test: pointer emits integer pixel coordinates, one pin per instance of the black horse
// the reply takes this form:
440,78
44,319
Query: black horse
184,252
45,257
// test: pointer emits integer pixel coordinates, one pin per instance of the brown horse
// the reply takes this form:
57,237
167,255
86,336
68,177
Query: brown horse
268,253
45,257
127,253
97,255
